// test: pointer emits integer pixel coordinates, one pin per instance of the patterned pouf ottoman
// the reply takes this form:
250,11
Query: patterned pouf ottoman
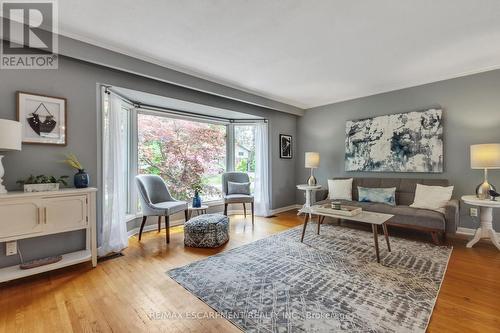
208,230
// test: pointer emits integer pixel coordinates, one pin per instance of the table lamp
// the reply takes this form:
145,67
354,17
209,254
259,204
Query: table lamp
10,139
312,161
485,156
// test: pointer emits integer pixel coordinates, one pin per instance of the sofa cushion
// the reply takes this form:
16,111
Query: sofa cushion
373,194
418,217
339,189
432,197
405,187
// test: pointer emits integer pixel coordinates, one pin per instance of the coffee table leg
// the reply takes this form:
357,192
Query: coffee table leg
305,225
375,239
386,234
319,222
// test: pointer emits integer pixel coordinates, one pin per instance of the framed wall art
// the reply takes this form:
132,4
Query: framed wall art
43,119
402,142
285,146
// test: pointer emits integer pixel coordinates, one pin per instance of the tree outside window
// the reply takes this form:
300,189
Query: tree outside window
186,154
244,150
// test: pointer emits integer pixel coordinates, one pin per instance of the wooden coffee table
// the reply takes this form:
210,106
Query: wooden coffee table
375,219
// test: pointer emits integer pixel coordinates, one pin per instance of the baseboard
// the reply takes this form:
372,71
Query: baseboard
469,231
173,223
285,209
154,226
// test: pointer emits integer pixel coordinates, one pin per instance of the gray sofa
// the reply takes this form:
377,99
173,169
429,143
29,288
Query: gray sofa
436,223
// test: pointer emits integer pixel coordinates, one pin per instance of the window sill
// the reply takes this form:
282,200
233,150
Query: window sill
131,217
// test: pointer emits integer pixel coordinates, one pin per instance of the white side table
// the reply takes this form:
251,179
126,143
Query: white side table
486,229
198,210
309,190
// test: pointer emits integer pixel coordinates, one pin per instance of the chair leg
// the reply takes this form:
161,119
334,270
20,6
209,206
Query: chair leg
144,218
252,214
225,209
159,223
186,215
245,210
167,227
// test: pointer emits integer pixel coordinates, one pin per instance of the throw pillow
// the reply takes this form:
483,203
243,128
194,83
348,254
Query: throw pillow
238,188
382,195
432,197
340,189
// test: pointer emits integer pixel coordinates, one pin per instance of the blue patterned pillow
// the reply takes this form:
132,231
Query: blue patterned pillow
382,195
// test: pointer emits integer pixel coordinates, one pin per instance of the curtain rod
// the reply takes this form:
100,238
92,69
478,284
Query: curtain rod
108,91
139,105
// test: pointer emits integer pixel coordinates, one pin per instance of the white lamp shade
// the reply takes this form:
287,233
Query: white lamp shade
10,135
485,156
312,160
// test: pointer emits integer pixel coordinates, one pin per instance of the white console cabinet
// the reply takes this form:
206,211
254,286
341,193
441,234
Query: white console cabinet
27,215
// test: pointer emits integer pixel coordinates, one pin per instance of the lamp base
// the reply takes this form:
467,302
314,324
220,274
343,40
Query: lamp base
312,181
483,190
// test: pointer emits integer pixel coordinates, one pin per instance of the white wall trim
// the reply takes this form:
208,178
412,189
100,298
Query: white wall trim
469,231
285,209
176,222
154,226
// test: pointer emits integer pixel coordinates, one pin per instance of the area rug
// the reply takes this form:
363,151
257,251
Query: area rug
330,283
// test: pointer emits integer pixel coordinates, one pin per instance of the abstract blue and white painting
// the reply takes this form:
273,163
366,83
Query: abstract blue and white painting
403,142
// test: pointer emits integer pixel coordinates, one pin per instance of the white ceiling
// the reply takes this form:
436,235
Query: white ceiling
301,52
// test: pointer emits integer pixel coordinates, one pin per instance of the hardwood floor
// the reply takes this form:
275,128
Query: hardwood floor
133,294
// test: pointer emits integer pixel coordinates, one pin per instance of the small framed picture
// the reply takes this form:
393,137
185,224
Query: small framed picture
285,146
43,119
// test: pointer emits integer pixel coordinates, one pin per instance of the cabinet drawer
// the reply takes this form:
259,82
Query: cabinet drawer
18,218
65,213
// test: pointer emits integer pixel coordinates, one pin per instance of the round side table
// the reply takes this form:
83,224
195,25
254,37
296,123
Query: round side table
309,190
486,215
198,210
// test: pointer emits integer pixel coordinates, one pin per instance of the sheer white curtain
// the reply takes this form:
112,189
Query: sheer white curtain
114,145
261,190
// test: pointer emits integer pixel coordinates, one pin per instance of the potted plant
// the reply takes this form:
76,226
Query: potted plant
197,198
42,183
81,179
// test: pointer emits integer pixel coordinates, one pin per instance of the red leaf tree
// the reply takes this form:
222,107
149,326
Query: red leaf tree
188,155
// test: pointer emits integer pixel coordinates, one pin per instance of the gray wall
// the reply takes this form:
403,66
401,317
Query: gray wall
77,81
471,115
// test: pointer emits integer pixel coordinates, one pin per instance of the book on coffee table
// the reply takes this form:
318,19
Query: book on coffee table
344,210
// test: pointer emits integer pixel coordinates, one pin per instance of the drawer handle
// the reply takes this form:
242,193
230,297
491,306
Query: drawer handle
45,215
38,215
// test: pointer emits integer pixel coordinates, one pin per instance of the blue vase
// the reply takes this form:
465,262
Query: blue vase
196,200
81,179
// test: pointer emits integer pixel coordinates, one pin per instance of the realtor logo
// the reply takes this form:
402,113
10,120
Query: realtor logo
29,33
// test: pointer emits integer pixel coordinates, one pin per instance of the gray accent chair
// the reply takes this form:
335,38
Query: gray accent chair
436,223
157,201
237,177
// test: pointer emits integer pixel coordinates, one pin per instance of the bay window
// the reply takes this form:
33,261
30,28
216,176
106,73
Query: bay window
188,153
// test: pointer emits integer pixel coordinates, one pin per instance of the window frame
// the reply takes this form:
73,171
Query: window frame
133,210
